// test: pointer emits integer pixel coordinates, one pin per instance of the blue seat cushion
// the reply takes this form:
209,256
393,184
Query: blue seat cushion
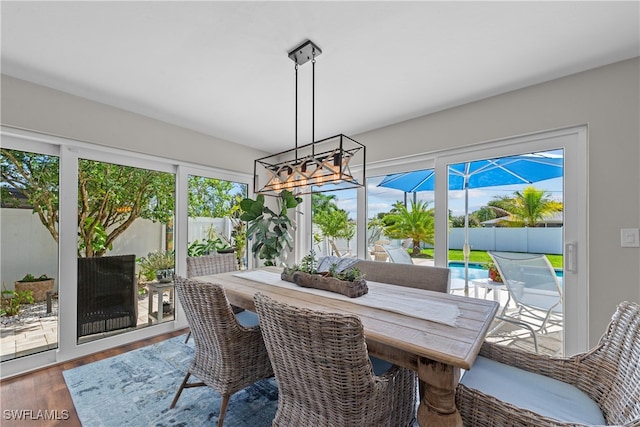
537,393
247,318
380,366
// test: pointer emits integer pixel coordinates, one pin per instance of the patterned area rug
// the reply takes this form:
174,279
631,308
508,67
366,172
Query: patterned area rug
137,387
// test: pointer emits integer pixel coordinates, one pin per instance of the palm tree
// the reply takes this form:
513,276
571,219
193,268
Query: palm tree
527,207
333,222
415,223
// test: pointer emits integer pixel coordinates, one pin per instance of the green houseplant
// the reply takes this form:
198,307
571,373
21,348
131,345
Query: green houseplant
11,301
270,230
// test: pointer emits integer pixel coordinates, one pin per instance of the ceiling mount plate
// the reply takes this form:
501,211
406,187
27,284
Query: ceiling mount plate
305,52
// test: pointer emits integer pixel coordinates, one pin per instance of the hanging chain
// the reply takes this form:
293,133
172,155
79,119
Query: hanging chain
296,126
313,102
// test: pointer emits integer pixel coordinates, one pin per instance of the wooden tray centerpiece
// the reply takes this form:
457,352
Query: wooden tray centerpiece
349,282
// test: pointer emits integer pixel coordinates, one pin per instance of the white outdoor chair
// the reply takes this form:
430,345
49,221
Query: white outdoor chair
533,286
397,254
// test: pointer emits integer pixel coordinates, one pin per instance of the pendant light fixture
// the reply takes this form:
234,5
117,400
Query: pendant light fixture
331,164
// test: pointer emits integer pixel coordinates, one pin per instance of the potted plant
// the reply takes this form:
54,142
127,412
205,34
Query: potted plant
158,265
494,274
39,286
349,282
270,230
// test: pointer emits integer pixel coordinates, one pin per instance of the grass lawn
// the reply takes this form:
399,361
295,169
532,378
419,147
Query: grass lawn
482,257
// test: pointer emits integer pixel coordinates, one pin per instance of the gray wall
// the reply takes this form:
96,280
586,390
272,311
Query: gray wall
606,99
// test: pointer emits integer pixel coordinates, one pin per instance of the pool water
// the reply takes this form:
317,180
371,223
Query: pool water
475,272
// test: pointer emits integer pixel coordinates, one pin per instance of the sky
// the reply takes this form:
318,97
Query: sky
381,199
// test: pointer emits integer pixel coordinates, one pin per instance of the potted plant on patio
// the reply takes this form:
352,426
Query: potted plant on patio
39,286
158,265
494,274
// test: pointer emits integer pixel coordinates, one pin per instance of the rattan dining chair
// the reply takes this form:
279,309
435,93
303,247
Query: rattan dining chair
324,374
212,264
228,356
507,386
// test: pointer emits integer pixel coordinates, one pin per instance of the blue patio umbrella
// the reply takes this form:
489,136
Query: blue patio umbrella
520,169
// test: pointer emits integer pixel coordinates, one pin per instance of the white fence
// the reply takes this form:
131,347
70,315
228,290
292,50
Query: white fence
28,247
533,240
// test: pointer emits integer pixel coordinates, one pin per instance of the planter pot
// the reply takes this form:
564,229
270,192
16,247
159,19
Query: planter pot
165,275
39,288
226,251
351,289
495,276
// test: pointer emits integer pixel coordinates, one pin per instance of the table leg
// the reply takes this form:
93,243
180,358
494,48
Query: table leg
150,310
160,305
438,406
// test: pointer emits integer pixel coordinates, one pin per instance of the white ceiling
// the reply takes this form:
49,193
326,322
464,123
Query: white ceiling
221,68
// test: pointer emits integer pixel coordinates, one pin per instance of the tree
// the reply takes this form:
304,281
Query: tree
527,207
210,197
416,223
36,177
333,222
110,197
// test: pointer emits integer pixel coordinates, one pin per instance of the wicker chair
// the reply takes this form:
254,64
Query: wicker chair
212,264
107,294
436,279
608,374
228,356
324,373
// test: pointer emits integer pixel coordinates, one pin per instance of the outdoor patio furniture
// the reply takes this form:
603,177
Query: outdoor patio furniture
533,286
107,294
379,254
229,351
398,254
324,374
508,386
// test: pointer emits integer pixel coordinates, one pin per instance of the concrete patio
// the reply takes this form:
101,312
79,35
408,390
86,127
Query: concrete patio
36,330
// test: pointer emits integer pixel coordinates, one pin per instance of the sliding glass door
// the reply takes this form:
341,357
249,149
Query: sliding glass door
543,215
29,247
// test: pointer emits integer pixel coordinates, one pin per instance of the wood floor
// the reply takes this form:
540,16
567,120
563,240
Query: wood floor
31,394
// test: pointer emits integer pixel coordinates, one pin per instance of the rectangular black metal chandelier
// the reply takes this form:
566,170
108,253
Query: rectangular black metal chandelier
331,164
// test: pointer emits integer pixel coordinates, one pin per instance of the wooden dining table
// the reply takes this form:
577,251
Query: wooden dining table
432,333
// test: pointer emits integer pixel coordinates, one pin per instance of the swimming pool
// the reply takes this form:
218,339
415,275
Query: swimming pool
475,272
